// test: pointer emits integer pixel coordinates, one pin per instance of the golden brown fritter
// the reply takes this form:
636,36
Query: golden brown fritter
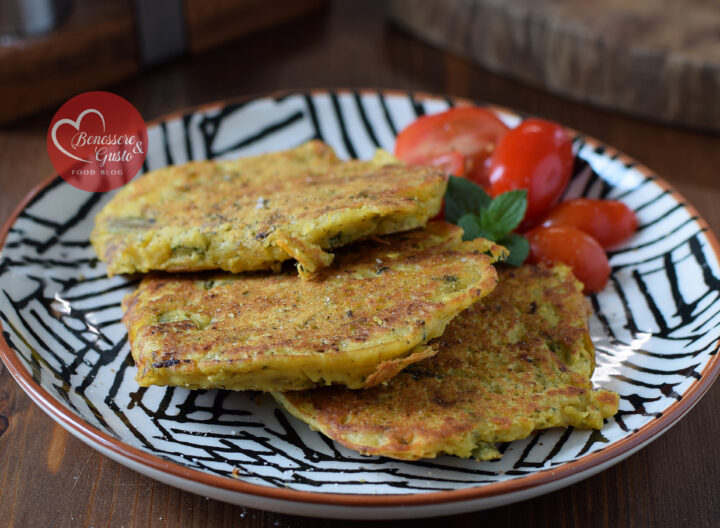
253,213
517,361
357,322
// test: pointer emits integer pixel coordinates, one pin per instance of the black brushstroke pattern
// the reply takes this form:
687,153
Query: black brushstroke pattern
34,315
312,113
369,130
347,142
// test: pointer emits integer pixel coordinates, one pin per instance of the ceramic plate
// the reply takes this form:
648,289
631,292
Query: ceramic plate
656,327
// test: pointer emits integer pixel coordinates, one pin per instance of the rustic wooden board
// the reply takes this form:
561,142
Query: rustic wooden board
658,59
212,23
97,46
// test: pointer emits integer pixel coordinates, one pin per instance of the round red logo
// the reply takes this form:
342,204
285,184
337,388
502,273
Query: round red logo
97,141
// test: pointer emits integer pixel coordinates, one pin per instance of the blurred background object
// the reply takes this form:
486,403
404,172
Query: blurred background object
161,30
659,59
23,18
47,57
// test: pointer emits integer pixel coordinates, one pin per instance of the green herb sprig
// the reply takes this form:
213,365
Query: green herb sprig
470,207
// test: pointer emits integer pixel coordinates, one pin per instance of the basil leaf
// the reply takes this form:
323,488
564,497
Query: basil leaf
504,213
470,225
518,246
463,197
468,206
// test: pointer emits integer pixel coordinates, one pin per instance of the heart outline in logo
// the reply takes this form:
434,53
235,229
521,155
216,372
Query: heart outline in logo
76,126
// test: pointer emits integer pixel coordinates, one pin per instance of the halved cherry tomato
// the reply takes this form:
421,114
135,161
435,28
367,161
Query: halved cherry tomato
607,221
452,163
537,156
470,131
573,247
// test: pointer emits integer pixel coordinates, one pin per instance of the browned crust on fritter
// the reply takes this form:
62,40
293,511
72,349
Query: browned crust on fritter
376,303
253,213
510,364
389,369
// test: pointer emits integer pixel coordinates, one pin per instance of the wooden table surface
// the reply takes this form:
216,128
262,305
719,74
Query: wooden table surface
48,478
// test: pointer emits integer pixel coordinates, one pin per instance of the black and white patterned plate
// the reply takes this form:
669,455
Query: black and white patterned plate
656,328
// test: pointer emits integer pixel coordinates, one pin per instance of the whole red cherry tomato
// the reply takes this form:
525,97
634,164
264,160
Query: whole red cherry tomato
573,247
470,131
608,221
537,156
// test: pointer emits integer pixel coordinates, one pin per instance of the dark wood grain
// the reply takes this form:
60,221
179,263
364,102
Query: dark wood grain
96,46
654,58
49,478
212,23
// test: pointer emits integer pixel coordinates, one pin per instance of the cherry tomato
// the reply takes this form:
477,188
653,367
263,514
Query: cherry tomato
470,131
452,163
573,247
537,156
607,221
